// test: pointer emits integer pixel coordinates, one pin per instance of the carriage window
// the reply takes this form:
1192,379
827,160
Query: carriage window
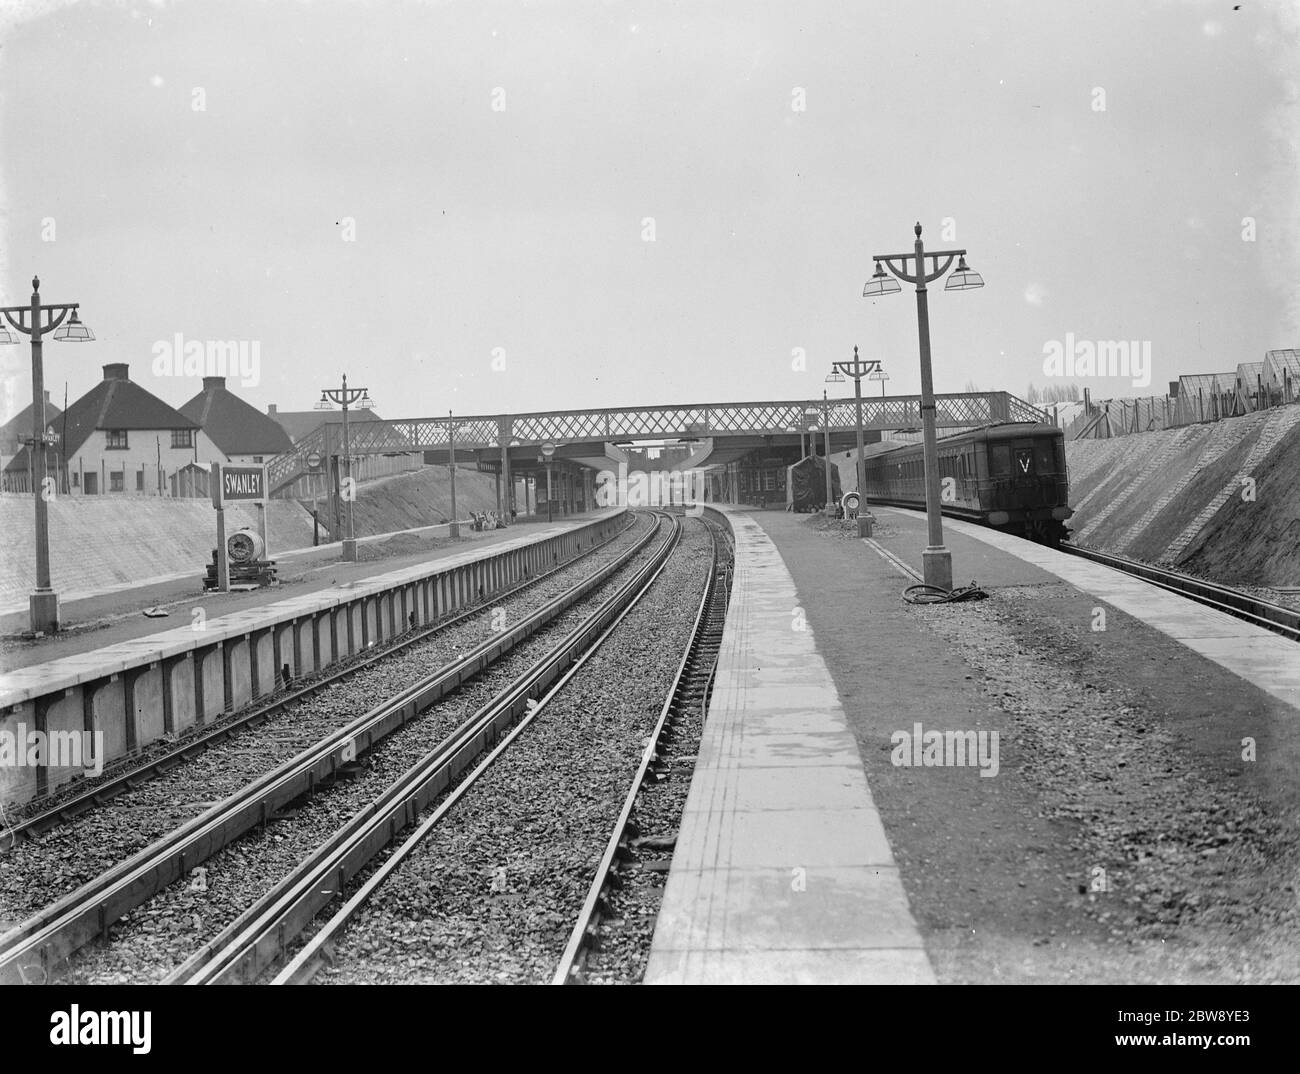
1043,458
1000,460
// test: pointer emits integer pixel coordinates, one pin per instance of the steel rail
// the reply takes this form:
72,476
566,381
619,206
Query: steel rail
191,746
38,943
309,958
569,970
1234,602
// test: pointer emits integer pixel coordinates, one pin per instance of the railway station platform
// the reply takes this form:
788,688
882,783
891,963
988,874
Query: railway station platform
817,846
114,613
231,649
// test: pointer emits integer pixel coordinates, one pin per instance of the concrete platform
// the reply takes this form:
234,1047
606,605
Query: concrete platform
782,871
1267,660
141,689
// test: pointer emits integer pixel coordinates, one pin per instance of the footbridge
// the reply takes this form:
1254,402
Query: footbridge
510,444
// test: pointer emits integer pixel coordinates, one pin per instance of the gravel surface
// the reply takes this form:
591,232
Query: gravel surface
494,891
1198,872
148,943
37,872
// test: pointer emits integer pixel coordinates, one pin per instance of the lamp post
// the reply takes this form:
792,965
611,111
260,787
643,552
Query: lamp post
857,369
547,456
34,320
454,530
937,560
346,397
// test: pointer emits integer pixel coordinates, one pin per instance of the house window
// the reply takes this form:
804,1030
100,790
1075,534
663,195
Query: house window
257,458
115,439
182,438
76,481
139,481
116,481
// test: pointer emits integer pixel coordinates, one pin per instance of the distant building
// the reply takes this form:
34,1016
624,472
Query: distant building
239,431
118,437
301,423
1282,376
19,427
1251,393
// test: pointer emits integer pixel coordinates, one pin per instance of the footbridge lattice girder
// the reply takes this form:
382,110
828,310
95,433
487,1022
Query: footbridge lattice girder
696,421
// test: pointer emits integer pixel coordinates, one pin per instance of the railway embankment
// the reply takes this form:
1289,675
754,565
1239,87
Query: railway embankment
97,542
1220,500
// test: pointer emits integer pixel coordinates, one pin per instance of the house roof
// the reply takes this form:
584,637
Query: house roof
232,424
114,403
299,423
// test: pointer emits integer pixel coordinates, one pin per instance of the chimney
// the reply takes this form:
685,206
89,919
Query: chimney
212,383
270,408
116,371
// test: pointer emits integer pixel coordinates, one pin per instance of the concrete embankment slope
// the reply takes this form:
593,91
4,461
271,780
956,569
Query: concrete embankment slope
420,498
98,542
1220,499
102,541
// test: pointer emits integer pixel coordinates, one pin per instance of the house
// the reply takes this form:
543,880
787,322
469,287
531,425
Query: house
239,431
118,437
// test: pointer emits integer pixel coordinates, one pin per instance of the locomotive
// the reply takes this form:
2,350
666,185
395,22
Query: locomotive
1011,477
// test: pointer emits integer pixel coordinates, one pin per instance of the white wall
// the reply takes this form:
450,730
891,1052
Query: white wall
145,449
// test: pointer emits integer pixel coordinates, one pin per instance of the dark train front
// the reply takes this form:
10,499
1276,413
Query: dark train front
1011,477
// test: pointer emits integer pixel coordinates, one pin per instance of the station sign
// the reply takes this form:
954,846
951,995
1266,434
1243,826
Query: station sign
314,460
237,484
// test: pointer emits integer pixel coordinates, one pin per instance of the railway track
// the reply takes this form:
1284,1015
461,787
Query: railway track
687,700
263,935
65,806
36,947
1234,602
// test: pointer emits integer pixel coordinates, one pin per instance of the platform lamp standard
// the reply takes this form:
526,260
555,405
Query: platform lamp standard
346,397
34,320
936,559
453,530
548,457
857,369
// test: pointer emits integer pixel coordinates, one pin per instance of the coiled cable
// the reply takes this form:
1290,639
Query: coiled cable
933,594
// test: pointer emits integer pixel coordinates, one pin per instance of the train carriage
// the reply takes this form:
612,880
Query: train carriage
1012,477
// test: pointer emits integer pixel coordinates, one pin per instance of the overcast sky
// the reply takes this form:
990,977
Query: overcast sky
452,202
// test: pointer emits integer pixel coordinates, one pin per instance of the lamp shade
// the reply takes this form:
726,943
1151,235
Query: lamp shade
6,336
963,279
73,331
881,283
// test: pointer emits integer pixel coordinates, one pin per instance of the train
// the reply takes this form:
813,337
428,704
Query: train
1010,476
805,484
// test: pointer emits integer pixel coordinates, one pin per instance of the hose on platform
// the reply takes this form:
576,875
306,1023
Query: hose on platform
933,594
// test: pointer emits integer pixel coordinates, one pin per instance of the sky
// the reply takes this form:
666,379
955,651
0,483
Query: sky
509,207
